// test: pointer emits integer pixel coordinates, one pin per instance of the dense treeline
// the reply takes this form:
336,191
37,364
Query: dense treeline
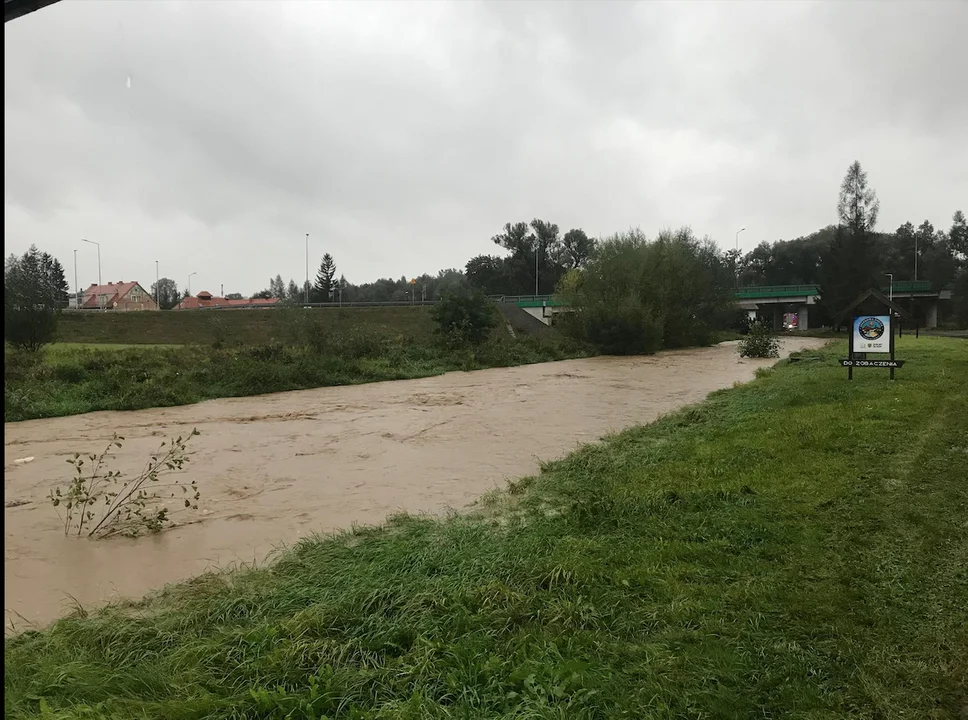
537,256
938,254
841,257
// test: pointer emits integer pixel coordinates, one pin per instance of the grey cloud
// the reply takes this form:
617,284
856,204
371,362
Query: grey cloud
403,135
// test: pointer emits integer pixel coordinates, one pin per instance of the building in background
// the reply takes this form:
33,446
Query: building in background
123,296
205,299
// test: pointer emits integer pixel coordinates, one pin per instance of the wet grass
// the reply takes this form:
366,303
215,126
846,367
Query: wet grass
792,548
68,379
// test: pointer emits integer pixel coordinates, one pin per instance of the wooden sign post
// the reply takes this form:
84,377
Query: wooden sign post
872,319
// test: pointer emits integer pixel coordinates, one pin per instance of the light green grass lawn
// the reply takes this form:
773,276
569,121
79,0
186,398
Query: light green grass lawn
793,548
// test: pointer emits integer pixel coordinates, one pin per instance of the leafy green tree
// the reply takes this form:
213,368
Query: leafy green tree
464,318
535,250
958,235
293,294
635,296
265,294
576,249
489,274
166,290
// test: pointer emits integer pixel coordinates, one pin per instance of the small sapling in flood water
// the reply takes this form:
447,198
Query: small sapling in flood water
100,503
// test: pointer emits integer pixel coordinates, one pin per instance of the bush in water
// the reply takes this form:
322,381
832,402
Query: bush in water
760,341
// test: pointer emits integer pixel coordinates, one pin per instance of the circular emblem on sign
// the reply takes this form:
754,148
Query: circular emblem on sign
871,328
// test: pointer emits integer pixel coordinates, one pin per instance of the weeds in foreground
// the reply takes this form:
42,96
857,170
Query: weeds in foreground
99,503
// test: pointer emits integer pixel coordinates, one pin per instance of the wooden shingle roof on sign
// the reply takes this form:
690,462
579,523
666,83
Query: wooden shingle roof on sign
872,294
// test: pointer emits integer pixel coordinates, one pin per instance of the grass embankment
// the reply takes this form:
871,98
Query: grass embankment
793,548
69,379
191,327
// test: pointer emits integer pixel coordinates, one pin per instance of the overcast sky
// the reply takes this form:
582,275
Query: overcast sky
213,135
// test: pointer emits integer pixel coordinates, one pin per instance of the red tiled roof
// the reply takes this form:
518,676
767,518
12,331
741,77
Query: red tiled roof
204,300
114,291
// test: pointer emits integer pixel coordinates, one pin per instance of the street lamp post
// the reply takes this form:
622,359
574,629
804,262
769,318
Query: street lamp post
915,257
190,282
891,275
536,246
736,259
98,266
77,290
98,258
307,268
157,295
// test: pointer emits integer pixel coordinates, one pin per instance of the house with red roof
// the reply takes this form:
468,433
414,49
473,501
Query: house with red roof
118,296
205,299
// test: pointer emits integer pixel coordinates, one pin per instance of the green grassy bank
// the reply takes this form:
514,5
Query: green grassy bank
792,548
233,326
67,379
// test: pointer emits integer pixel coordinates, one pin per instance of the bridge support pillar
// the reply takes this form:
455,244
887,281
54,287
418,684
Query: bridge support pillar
931,315
803,317
777,317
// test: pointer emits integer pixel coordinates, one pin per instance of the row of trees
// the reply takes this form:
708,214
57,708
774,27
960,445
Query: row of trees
846,258
537,258
635,295
840,257
328,288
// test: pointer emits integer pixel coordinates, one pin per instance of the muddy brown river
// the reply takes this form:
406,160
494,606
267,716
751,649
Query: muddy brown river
276,467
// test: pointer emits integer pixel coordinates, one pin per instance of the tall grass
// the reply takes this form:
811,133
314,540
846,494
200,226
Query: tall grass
793,548
67,381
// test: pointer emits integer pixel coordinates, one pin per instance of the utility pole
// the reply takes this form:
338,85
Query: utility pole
77,290
307,268
157,289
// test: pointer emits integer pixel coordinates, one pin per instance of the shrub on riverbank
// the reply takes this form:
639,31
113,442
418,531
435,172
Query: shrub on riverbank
651,575
71,381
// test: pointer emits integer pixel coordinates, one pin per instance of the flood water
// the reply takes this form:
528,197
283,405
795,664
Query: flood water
274,468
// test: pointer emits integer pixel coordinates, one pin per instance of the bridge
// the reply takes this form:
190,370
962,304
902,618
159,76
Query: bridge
758,299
